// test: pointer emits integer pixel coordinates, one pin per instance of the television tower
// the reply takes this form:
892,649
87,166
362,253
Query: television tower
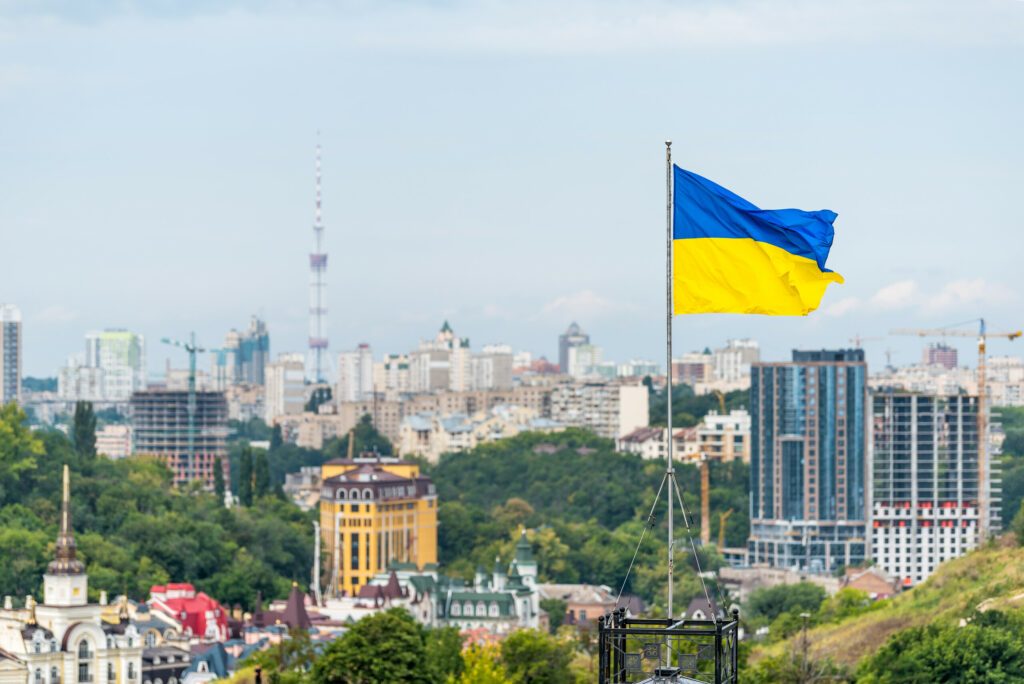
317,287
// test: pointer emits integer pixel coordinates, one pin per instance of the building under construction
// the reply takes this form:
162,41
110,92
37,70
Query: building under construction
160,427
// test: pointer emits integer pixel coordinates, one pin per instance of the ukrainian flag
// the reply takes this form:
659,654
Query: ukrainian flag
731,257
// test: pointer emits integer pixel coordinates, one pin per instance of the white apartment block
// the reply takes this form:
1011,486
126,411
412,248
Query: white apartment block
924,482
608,409
285,387
732,362
112,368
355,374
725,437
391,375
10,354
583,360
492,368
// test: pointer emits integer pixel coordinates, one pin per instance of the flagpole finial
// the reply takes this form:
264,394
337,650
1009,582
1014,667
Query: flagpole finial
668,143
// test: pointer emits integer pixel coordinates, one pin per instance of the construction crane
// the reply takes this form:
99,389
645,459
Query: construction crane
722,518
983,335
858,342
192,350
705,500
721,401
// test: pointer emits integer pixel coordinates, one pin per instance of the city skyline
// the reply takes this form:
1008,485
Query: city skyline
178,196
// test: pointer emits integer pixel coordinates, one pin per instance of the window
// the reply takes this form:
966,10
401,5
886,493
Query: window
131,670
83,650
54,675
150,639
38,676
110,672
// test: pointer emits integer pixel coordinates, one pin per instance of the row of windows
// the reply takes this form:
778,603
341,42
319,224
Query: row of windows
481,610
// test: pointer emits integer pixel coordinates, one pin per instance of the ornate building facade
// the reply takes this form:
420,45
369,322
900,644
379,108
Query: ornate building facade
64,640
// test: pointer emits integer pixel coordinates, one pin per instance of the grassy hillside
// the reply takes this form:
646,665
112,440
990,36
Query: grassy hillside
990,578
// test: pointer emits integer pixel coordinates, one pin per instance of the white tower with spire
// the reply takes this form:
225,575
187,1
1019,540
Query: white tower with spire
65,582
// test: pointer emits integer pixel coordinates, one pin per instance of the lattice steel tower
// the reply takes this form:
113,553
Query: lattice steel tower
317,291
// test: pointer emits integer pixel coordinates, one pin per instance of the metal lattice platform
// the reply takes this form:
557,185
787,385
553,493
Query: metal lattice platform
665,651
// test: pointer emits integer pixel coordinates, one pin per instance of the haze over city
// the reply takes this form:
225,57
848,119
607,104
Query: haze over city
497,164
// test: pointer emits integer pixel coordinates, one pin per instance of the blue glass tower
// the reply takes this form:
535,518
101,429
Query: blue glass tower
808,461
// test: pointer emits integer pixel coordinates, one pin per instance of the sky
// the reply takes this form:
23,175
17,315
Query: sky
499,164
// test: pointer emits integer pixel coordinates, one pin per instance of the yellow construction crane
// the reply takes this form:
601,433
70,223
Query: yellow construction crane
705,500
722,518
982,335
721,401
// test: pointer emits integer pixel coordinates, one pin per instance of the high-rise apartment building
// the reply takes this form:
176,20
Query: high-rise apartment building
392,374
732,362
609,409
10,354
244,357
584,360
492,368
112,368
808,468
160,427
285,387
693,367
939,354
355,374
572,337
374,512
925,482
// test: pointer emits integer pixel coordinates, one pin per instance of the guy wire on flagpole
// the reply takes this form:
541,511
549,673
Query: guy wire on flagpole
670,470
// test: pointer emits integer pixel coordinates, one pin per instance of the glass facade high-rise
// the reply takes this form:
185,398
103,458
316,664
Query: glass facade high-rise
808,466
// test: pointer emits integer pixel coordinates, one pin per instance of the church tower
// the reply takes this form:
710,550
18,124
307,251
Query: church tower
65,582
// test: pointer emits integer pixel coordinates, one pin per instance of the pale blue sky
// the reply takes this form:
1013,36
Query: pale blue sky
499,164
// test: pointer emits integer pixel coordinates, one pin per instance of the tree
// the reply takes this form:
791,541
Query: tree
532,657
321,395
261,475
245,477
83,429
19,448
987,649
276,440
772,602
385,647
218,478
482,667
555,608
444,651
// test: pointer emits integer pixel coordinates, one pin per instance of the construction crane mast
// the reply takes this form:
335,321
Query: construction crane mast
983,467
192,350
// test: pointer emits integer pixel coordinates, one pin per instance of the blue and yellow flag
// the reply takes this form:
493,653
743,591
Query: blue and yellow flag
731,257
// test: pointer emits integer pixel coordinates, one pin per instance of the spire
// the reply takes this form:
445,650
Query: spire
524,553
64,561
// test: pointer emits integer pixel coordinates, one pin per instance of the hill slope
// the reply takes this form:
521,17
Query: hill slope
986,579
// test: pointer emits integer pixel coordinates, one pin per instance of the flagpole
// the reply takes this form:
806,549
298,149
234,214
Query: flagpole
670,470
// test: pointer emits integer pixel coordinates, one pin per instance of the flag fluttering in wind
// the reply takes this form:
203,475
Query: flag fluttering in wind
731,257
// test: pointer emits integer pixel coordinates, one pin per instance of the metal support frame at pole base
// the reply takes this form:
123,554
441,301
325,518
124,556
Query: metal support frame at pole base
665,651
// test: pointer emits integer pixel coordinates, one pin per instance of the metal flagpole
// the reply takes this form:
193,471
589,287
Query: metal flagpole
670,470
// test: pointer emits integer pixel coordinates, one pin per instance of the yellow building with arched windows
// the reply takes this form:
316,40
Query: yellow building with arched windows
375,512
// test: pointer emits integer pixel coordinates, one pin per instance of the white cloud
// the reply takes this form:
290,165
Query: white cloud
899,295
54,314
967,292
842,307
585,304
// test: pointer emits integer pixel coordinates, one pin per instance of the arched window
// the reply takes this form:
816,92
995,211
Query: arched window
481,609
467,609
39,676
110,672
202,667
354,495
456,610
367,493
150,639
492,610
54,675
83,650
341,494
